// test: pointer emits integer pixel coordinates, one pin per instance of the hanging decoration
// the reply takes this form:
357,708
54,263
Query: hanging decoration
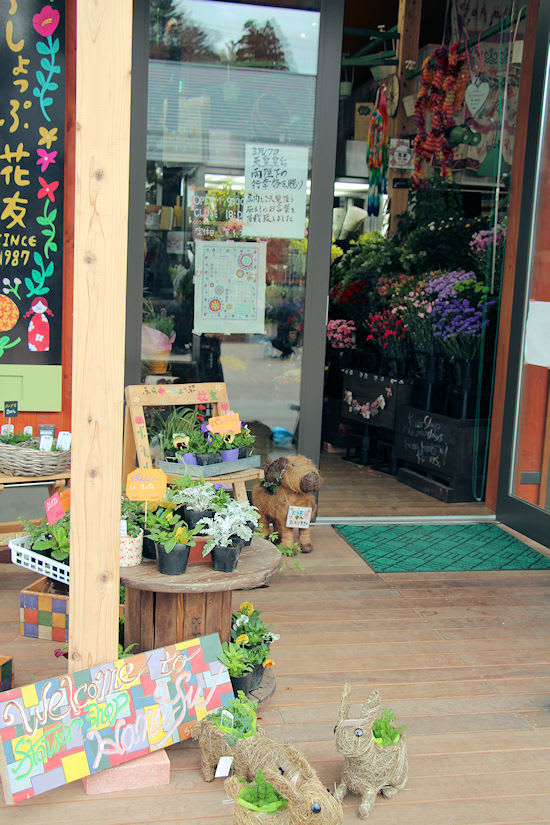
378,153
441,94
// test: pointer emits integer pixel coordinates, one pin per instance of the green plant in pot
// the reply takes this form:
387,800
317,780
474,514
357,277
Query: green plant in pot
249,631
238,665
261,796
244,441
173,538
170,431
246,512
383,730
207,446
197,498
50,540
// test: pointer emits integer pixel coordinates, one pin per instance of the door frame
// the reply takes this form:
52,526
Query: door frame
523,516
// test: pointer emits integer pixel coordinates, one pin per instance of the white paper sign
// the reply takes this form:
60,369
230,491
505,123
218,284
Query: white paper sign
63,440
537,334
298,516
45,444
224,766
7,429
123,527
229,286
27,430
275,191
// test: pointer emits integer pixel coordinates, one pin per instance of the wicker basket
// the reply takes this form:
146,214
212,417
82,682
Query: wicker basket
24,460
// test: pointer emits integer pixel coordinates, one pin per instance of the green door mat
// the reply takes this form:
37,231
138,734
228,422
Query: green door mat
403,548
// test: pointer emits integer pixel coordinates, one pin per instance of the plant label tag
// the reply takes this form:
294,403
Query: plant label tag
54,509
63,440
123,527
230,423
10,409
224,766
27,430
517,51
45,444
7,429
227,719
145,484
298,516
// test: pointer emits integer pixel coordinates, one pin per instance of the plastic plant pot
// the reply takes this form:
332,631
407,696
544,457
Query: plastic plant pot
173,563
225,559
230,455
208,458
187,458
149,549
194,516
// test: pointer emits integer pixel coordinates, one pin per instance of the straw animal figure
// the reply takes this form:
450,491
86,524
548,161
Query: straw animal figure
368,768
260,752
286,481
304,804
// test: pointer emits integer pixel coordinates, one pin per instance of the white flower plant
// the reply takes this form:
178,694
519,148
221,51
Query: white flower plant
224,526
198,497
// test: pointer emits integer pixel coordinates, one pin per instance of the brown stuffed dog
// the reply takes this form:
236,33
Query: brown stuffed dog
286,481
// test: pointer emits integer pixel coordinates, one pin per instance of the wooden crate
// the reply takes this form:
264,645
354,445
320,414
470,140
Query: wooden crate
44,610
6,673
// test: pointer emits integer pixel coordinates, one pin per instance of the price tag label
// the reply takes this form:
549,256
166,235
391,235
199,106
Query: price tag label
10,409
298,516
123,527
225,423
145,484
224,766
54,509
63,440
45,443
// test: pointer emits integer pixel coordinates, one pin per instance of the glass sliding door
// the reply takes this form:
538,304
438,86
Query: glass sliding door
230,123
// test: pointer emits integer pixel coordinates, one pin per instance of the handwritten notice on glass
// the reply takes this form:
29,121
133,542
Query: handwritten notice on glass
229,286
275,191
78,724
32,126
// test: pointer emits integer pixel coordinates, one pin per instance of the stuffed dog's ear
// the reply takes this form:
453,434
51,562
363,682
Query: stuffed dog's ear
273,471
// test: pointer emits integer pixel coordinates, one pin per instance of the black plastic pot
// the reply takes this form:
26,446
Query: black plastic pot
242,682
175,562
224,559
252,527
244,452
149,549
208,458
193,516
256,676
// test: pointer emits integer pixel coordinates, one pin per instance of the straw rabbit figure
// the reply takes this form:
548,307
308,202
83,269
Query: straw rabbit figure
369,768
260,752
287,481
308,803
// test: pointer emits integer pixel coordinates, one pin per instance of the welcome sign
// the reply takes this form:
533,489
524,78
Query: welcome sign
68,727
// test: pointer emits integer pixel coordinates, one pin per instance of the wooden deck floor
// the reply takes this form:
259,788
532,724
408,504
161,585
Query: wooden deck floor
352,490
462,658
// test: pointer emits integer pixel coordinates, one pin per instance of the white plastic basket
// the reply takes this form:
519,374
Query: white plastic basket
21,555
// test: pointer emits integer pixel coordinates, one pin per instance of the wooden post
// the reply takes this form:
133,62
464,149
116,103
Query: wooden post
104,59
408,26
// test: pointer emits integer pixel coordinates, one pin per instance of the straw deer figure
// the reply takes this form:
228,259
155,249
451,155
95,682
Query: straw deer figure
369,768
287,481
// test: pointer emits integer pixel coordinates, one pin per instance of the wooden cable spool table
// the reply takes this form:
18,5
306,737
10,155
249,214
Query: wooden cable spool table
161,610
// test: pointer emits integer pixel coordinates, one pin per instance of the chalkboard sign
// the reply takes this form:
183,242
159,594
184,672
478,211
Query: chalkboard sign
32,122
10,409
78,724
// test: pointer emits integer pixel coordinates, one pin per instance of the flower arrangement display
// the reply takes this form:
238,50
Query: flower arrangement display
387,331
341,334
458,324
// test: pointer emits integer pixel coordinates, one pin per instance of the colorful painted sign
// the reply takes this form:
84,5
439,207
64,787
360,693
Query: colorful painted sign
229,287
78,724
225,423
32,124
145,484
275,191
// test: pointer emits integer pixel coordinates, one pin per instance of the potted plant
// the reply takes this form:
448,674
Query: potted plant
207,446
157,337
172,538
261,803
198,499
249,631
247,512
237,719
230,451
227,530
50,540
383,730
236,660
244,441
173,430
131,533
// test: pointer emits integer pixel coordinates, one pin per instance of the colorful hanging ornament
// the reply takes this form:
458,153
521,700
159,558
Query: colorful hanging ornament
378,153
443,85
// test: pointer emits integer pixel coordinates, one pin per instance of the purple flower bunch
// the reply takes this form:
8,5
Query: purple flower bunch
459,325
341,334
442,285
